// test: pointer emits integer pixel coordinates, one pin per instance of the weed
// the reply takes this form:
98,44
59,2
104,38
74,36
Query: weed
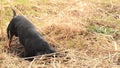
101,29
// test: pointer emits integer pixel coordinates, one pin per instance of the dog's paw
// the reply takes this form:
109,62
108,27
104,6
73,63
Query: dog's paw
7,46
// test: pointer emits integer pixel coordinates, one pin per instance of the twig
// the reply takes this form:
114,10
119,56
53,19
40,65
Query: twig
31,63
115,45
54,62
111,4
36,56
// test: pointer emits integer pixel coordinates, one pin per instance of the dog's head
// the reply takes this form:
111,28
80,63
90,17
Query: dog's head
45,48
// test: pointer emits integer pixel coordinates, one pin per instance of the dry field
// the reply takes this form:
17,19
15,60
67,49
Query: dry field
85,33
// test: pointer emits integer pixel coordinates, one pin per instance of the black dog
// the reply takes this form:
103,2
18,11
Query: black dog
32,41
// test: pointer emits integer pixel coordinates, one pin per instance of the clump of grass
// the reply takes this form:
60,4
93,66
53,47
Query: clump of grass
66,34
101,29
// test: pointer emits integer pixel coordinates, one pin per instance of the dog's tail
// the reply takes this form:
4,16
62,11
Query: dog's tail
14,13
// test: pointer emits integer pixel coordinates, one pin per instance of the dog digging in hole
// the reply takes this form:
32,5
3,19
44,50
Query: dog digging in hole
32,41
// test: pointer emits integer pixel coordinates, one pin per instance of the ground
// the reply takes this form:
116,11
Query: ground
85,33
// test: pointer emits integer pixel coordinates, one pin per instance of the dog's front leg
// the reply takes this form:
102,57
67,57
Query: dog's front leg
9,40
8,43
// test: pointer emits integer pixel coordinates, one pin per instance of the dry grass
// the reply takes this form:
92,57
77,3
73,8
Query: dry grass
85,33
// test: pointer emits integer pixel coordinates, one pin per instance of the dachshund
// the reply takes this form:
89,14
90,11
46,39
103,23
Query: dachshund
32,41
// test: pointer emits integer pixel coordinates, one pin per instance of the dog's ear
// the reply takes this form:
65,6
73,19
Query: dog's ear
9,34
10,30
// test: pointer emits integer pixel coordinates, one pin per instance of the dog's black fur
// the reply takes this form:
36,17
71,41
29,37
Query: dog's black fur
32,40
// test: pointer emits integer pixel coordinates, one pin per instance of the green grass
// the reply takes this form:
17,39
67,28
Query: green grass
22,2
101,29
